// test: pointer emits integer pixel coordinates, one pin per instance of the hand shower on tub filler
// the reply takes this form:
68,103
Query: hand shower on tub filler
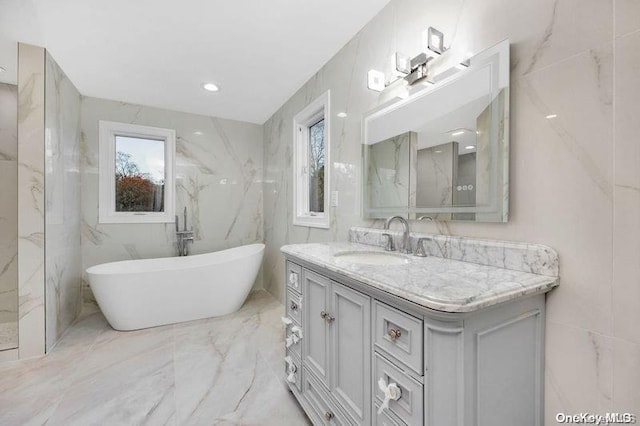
184,236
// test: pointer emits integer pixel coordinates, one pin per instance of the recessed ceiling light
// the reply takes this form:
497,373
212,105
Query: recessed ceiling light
342,114
210,87
198,133
458,133
470,147
550,116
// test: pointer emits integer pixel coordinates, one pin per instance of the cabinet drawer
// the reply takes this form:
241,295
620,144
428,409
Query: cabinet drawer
324,411
400,335
294,307
385,418
409,407
293,371
294,277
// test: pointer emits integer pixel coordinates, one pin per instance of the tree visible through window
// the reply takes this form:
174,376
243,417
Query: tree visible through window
139,175
316,167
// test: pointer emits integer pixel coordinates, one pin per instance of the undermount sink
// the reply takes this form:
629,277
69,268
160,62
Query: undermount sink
371,258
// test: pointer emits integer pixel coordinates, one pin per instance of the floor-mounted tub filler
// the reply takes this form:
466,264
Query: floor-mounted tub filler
135,294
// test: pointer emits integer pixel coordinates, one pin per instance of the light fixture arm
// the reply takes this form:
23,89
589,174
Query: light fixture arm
412,69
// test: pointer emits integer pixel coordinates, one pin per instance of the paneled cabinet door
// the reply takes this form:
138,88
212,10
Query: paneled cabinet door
316,299
350,359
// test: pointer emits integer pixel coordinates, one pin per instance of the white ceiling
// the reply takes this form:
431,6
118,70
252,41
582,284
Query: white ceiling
159,52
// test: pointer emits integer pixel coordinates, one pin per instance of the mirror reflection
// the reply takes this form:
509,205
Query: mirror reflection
443,152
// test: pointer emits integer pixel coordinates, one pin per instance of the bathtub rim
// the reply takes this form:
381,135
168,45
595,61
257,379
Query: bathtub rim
106,268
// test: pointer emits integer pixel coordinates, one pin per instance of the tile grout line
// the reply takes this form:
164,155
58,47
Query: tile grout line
613,202
561,61
175,383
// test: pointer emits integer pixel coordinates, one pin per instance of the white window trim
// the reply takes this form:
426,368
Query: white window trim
310,115
107,177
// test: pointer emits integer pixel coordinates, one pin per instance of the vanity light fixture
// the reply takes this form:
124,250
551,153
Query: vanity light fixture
414,69
210,87
376,80
550,116
402,63
341,114
435,41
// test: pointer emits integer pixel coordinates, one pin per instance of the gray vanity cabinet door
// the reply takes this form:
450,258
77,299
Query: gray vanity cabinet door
316,300
351,351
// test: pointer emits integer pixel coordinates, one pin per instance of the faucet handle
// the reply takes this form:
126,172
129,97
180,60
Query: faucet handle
420,252
389,244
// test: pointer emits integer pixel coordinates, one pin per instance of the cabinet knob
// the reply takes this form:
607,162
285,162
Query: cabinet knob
294,307
394,333
325,316
328,415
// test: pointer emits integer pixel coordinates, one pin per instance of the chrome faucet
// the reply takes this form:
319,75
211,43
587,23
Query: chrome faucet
406,248
184,236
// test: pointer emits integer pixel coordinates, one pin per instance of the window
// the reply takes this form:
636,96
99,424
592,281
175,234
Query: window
136,173
311,164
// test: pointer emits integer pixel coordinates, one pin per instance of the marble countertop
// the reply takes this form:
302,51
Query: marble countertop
432,282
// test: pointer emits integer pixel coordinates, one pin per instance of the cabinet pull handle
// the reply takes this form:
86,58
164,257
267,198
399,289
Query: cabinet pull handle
394,333
328,415
329,318
294,307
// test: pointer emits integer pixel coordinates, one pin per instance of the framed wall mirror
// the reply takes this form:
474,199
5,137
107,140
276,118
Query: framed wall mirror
443,152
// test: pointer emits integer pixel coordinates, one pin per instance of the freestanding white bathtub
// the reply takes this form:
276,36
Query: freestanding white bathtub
136,294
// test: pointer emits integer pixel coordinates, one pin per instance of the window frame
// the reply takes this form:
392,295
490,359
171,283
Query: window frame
316,111
108,130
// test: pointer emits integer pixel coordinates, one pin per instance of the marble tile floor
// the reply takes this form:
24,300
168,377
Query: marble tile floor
218,371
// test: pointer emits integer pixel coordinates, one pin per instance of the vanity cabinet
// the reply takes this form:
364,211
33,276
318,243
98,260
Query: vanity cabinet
480,368
336,343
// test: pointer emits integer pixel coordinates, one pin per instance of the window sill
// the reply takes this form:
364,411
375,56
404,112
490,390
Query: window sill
312,221
136,218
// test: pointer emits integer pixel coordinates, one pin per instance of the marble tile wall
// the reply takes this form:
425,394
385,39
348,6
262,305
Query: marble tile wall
391,175
218,179
63,273
31,204
575,180
626,208
8,216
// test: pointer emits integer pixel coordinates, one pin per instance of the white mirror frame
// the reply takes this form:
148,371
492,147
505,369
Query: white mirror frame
107,177
498,211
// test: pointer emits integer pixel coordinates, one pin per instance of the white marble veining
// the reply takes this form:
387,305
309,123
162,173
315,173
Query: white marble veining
63,264
8,217
218,179
31,200
533,258
223,371
435,283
